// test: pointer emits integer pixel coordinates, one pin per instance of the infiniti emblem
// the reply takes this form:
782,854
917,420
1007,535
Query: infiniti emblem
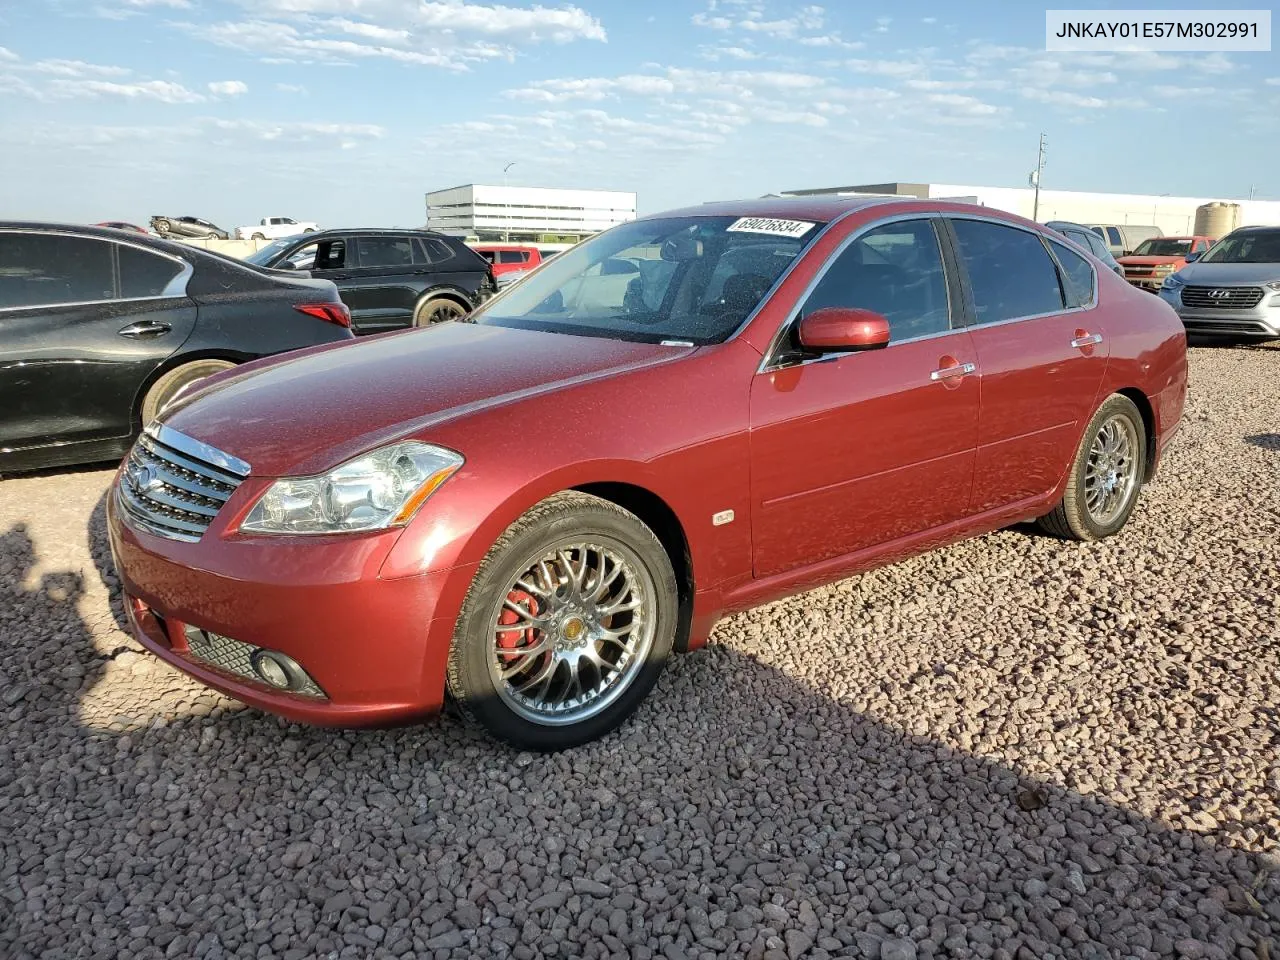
145,480
1219,294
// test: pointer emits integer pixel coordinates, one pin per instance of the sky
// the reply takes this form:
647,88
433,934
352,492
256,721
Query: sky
347,112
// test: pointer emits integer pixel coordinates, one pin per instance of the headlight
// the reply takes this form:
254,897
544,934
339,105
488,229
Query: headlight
1274,285
378,490
1172,282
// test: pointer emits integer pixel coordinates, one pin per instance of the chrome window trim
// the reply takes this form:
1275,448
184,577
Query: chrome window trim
198,449
767,364
177,287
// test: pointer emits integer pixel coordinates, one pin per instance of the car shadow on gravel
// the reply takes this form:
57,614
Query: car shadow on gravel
1267,441
742,812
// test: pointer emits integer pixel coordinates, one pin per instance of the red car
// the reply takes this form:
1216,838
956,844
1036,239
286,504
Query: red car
1158,257
509,258
689,414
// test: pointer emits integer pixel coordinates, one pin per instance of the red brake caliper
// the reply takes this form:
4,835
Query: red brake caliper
511,639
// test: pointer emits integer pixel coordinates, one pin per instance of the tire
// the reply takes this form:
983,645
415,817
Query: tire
619,563
162,227
438,310
167,387
257,236
1091,507
309,230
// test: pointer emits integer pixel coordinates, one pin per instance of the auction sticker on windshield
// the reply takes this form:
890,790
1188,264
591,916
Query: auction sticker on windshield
775,228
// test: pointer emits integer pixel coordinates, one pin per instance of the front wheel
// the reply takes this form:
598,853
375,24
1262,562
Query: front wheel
567,625
258,236
438,311
1106,474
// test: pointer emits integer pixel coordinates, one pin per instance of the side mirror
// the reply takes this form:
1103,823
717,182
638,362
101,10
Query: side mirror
843,329
1193,257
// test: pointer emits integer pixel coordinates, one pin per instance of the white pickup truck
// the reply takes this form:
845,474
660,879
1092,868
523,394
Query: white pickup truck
273,228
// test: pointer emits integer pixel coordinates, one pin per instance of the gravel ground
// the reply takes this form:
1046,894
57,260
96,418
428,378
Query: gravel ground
1014,747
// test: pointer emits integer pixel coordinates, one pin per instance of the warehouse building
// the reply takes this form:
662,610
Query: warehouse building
1173,215
541,215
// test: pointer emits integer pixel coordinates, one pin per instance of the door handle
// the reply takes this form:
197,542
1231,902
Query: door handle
959,370
145,329
1088,340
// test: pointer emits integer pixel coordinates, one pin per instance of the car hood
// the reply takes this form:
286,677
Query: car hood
305,413
1134,261
1210,273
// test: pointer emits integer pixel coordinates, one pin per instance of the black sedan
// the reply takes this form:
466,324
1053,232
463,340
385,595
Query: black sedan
389,278
100,329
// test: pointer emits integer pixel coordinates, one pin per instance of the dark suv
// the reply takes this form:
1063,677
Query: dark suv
389,278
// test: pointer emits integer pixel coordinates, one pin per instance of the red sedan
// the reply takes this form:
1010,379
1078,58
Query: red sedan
689,414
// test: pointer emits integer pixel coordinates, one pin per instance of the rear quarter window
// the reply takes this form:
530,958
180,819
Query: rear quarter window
144,274
1079,275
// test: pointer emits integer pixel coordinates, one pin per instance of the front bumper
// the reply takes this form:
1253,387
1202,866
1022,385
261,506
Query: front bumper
377,648
1261,322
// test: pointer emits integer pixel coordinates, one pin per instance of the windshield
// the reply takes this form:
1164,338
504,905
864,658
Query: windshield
691,279
1163,247
268,253
1260,246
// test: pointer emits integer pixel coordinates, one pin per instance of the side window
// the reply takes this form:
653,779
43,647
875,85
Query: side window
1010,272
1080,279
1098,247
1199,246
328,255
512,256
437,251
1113,236
144,274
385,251
40,268
895,270
487,254
1098,231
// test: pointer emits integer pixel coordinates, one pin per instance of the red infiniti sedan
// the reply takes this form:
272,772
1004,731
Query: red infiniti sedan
689,414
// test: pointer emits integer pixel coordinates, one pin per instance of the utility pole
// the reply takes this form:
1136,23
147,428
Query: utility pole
1034,180
1252,187
506,233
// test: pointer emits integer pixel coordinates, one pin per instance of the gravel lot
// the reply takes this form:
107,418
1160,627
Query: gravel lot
1014,747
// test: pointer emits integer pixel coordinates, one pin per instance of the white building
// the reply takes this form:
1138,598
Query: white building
1173,215
527,214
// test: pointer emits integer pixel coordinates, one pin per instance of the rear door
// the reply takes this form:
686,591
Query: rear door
83,322
380,286
1042,351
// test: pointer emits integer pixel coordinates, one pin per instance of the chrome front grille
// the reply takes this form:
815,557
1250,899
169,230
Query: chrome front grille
173,486
1223,298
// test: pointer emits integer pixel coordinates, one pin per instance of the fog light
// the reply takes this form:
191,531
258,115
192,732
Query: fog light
272,669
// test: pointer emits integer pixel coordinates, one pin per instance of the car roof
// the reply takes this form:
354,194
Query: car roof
171,247
823,207
390,231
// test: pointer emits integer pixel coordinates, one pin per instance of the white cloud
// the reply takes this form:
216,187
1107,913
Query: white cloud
882,24
728,53
1062,98
176,4
295,131
291,88
77,68
1273,81
885,68
929,20
753,21
1214,63
833,41
7,55
228,88
969,106
163,91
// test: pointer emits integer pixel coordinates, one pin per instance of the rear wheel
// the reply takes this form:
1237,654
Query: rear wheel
567,625
257,236
167,387
438,310
1106,474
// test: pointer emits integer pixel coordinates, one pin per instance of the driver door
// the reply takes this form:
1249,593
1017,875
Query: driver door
857,450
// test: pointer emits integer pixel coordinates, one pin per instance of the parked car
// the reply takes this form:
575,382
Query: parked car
539,505
100,329
275,228
390,279
1155,259
1233,290
188,227
508,258
121,225
1122,239
1087,240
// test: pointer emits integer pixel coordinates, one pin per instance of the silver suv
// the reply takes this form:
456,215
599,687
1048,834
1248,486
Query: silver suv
1234,289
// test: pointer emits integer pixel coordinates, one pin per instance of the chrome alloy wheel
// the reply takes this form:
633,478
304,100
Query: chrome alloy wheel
572,631
1111,472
